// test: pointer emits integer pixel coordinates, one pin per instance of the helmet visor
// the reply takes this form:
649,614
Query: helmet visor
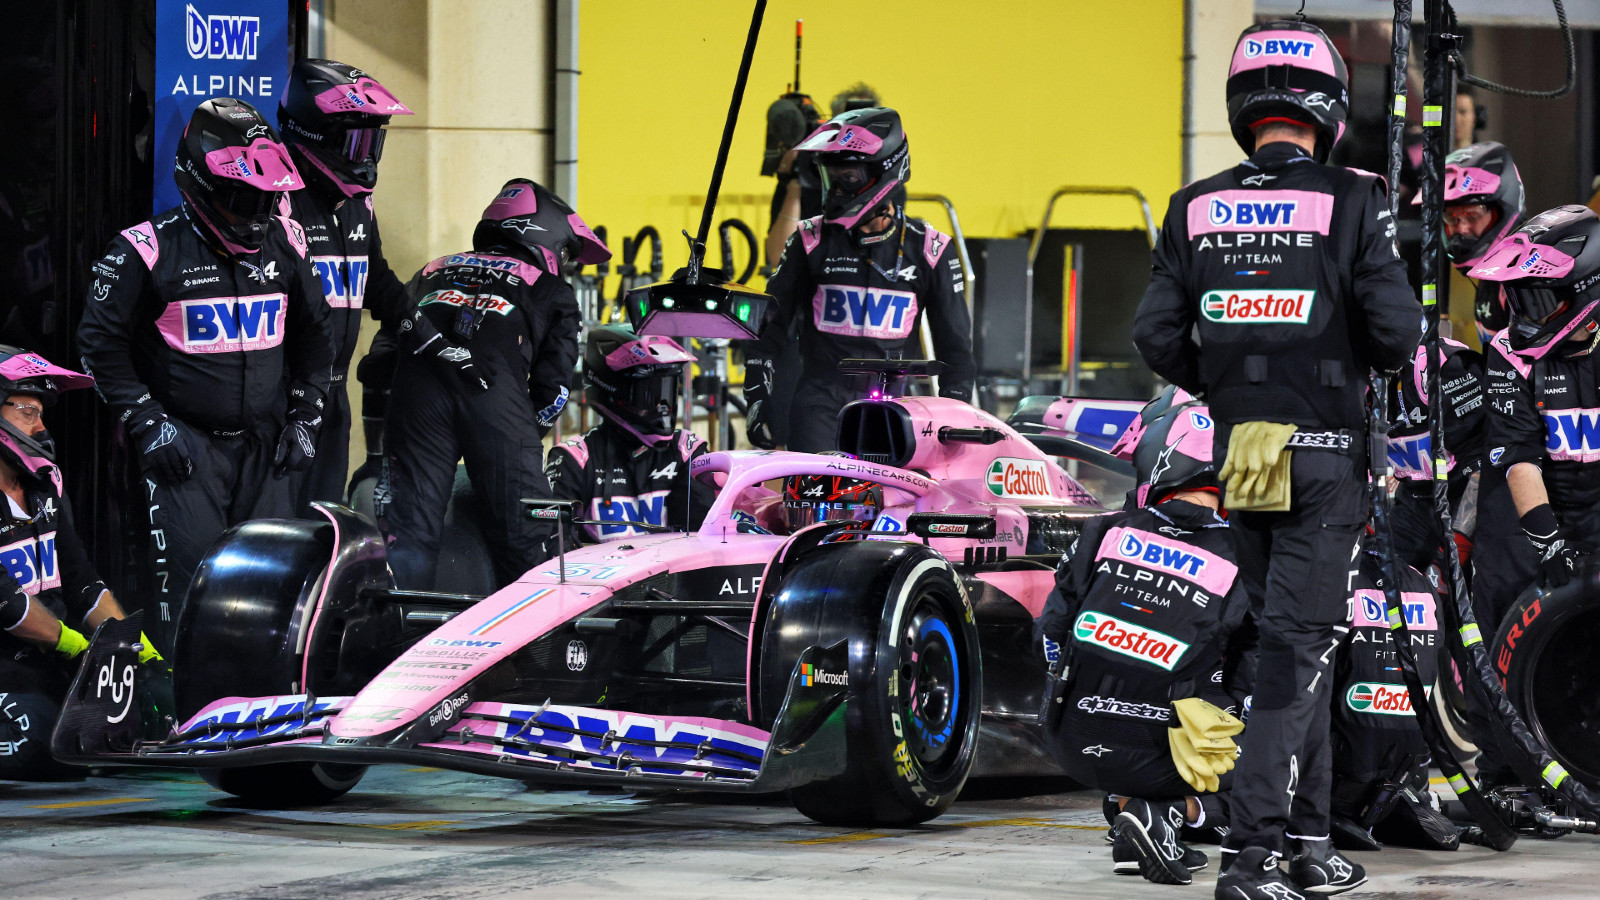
362,145
1536,304
845,179
654,398
240,204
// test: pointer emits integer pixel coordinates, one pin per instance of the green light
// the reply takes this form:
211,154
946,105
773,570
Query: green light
666,302
711,306
742,312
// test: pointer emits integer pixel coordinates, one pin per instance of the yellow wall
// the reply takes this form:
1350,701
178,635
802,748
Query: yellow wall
1003,101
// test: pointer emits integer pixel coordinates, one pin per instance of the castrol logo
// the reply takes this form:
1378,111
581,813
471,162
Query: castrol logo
1262,307
1020,478
1144,644
1379,699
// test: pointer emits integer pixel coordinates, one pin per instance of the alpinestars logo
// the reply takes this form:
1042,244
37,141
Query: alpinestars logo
521,225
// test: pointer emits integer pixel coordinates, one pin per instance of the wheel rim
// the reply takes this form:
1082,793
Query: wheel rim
930,686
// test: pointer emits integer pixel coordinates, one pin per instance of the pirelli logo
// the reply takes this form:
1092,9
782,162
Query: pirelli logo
1258,307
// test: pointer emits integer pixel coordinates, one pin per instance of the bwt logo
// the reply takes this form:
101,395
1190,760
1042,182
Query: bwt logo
344,281
650,509
32,563
1247,212
864,312
1171,558
221,37
1572,433
226,324
1277,47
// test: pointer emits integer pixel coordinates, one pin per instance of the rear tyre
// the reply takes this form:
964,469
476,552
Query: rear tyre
1544,652
914,677
241,634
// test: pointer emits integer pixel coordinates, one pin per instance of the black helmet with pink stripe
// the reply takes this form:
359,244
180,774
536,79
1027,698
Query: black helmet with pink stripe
332,116
230,170
24,372
864,161
1482,174
634,381
1174,452
1287,71
1549,273
528,221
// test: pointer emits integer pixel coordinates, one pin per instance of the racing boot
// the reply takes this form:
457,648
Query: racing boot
1320,869
1253,874
1151,830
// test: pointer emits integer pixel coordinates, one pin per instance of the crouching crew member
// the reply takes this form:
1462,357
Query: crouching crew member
48,580
207,333
1286,268
506,306
632,470
1417,537
859,278
1145,603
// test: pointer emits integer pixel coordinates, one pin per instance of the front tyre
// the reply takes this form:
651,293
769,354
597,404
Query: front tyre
914,679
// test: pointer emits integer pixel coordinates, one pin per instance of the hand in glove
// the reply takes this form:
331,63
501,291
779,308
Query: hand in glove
297,444
70,643
757,396
164,453
459,360
1558,562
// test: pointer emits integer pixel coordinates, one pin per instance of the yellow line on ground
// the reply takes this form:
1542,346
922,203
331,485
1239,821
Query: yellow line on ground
407,826
843,838
79,804
1024,822
1440,780
424,769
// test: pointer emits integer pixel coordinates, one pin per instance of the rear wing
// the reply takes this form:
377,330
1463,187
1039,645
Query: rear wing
1097,423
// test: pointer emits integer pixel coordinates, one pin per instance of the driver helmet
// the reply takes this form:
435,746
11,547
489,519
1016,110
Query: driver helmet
634,381
1287,71
809,499
1175,453
1482,180
527,221
230,171
864,161
1126,444
1549,274
22,372
333,117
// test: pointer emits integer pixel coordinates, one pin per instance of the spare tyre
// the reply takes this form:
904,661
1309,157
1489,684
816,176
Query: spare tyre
1544,653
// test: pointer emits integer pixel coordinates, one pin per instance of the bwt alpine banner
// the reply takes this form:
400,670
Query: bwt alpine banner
213,48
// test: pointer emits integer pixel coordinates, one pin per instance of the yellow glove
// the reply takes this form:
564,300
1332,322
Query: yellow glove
1221,763
1256,470
149,652
1192,765
70,643
1205,720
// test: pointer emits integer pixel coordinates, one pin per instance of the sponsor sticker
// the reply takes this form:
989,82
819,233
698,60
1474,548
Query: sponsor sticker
811,675
1258,307
1376,698
485,302
1018,478
1144,644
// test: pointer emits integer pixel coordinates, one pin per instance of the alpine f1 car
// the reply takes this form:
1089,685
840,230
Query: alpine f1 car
868,670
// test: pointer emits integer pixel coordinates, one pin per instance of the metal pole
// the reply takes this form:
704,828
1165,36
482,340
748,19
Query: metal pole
564,164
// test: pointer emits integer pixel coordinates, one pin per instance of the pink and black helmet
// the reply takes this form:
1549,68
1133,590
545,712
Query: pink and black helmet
529,221
22,372
1288,71
634,381
863,158
1549,273
230,170
1174,452
1170,396
1484,174
332,116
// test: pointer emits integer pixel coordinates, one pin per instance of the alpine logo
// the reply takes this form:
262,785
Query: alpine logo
485,302
1142,548
220,37
1380,699
1264,214
359,233
1258,307
1144,644
1254,48
855,311
224,324
31,563
1020,478
667,471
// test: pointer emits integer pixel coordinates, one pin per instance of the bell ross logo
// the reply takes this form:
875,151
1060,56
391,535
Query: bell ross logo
220,37
1277,47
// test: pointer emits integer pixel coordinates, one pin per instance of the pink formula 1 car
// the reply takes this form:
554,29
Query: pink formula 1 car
866,672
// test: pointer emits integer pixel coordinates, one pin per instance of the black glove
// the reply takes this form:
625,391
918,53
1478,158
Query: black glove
297,444
757,398
164,452
1558,562
456,359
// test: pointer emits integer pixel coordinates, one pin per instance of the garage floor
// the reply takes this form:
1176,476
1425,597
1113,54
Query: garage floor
424,833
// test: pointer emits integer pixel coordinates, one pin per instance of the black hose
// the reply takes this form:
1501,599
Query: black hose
697,248
727,248
1566,45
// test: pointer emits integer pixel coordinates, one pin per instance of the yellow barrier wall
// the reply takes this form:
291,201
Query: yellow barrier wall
1003,101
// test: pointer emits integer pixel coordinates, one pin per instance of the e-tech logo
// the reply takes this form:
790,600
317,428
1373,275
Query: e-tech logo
224,324
1255,47
1291,307
485,302
650,509
344,279
1380,699
31,563
1128,639
1572,434
1252,213
1146,550
220,37
1019,478
811,676
855,311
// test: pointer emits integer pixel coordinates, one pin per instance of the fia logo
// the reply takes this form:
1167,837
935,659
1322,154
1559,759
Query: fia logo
577,656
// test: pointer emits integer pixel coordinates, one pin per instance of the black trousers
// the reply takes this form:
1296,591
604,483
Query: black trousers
1299,566
325,480
1130,768
814,411
33,684
233,482
432,423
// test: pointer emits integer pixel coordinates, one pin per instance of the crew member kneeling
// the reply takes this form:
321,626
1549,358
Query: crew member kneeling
1145,604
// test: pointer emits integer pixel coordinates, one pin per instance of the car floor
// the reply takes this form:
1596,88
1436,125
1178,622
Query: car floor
427,833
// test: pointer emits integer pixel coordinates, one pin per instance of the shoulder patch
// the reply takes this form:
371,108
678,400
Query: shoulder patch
810,232
143,238
297,235
688,443
284,208
934,243
577,449
1502,346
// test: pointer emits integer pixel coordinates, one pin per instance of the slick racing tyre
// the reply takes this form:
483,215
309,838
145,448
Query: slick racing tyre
240,634
1450,699
913,677
1544,654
